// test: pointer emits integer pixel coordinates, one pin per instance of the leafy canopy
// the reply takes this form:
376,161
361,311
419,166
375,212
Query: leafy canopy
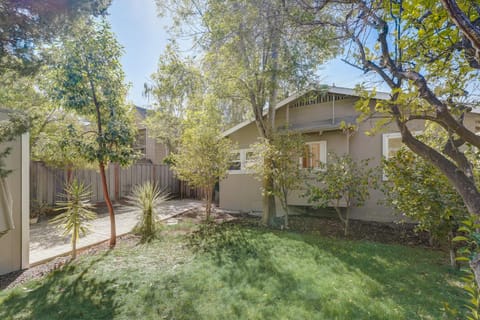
26,25
204,155
89,80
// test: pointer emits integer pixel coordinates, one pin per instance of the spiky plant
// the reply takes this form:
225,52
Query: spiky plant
76,211
146,198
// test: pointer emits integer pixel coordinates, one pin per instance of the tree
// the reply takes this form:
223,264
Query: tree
343,183
417,55
28,94
175,87
77,210
203,156
27,24
417,190
427,53
89,81
256,55
284,149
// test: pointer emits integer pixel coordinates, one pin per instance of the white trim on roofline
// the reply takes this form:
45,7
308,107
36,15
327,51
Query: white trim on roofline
331,89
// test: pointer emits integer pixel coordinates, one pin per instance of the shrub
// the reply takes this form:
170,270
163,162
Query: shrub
145,198
76,211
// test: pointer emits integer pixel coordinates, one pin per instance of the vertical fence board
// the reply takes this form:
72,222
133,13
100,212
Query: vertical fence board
46,183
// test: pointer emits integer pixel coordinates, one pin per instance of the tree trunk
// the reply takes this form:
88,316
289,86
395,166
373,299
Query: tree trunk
69,174
111,213
452,250
74,243
347,221
286,217
269,210
464,185
342,219
209,191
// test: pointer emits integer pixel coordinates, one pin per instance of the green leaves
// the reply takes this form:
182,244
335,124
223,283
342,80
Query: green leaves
282,152
89,81
146,198
76,211
343,183
417,190
203,156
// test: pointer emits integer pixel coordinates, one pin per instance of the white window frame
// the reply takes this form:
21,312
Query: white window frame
243,162
385,138
239,158
323,154
393,135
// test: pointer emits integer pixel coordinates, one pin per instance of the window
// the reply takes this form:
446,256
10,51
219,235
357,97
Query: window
392,142
236,163
249,160
315,154
242,161
140,144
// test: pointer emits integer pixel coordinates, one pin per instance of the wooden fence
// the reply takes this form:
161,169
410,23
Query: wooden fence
47,183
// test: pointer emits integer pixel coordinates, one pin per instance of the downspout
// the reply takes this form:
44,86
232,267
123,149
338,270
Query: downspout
348,143
333,109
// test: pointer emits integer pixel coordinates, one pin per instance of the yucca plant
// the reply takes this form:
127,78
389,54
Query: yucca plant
76,211
146,198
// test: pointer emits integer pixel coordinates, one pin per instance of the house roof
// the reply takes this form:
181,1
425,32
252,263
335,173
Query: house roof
286,101
141,111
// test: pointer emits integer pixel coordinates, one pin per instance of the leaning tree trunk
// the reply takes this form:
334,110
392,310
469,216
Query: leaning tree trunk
111,213
344,220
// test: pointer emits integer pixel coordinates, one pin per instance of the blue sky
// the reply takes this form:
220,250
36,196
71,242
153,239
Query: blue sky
142,33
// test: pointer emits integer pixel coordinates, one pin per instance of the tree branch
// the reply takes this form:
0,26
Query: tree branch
469,30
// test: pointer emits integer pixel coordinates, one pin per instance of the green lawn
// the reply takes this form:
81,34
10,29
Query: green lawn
243,273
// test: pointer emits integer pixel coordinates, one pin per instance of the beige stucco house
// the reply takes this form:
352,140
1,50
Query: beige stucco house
318,117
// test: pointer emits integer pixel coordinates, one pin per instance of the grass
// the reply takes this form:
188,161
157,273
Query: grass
235,272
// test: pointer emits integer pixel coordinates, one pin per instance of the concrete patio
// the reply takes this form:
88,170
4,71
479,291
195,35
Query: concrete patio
46,240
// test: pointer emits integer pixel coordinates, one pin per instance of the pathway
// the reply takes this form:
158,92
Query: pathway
46,241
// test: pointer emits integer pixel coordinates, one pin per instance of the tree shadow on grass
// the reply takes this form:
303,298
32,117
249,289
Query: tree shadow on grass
412,277
64,294
249,262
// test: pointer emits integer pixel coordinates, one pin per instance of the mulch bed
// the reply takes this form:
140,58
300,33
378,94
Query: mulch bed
359,230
